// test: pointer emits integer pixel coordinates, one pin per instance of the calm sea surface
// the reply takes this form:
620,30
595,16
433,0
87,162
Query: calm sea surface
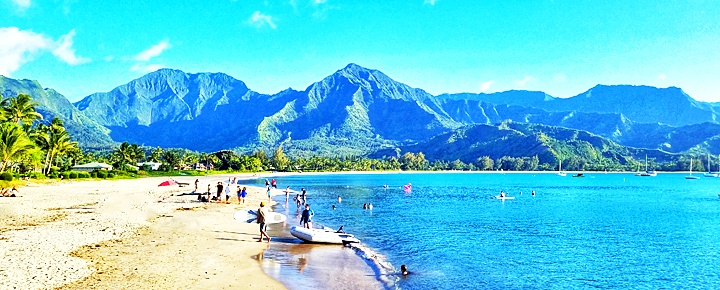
601,231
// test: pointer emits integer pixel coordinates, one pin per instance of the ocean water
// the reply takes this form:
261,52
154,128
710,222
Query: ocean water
602,231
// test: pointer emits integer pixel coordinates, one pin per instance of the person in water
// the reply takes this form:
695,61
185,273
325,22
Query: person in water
306,217
404,270
333,207
533,193
502,193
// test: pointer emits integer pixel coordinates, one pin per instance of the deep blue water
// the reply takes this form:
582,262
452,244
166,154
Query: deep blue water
601,231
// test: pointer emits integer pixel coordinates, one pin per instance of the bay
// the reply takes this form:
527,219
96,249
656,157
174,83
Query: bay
600,231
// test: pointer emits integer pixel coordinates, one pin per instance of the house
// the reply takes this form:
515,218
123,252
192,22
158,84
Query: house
153,165
92,166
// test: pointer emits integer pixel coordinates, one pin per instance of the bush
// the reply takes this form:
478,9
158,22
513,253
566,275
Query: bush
94,174
110,175
53,175
83,175
54,169
6,176
102,174
72,175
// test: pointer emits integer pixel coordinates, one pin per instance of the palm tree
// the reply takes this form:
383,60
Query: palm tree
20,109
55,141
14,144
128,153
172,158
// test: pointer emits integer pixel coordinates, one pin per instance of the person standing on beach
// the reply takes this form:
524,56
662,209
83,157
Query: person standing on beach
262,212
243,194
227,194
306,217
304,196
268,192
196,184
219,191
287,194
274,183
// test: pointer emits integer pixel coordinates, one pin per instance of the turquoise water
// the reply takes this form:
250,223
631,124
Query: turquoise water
601,231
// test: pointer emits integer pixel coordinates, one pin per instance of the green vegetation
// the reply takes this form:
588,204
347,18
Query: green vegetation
32,147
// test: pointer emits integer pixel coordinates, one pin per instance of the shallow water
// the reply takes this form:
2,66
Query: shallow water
604,230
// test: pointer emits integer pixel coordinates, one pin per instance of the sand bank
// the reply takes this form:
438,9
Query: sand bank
127,234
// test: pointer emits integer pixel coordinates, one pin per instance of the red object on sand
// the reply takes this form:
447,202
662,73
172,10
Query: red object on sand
168,183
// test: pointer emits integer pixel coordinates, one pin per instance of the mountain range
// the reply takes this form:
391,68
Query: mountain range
359,111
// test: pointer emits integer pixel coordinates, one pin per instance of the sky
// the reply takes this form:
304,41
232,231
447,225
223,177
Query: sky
562,48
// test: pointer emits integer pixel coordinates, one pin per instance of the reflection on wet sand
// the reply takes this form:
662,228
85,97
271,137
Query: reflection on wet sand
303,265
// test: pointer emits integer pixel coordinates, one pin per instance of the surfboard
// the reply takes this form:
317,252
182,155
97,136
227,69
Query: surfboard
506,197
250,216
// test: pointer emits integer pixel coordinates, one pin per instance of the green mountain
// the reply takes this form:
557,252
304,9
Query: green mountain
52,104
548,143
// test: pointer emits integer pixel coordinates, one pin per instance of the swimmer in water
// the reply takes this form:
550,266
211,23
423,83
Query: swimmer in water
404,270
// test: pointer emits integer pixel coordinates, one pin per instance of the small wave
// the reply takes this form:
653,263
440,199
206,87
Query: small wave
384,271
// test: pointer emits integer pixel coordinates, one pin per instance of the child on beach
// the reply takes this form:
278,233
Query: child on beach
268,192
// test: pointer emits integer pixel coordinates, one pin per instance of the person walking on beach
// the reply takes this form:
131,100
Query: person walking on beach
287,194
268,192
261,214
304,196
196,184
274,183
306,217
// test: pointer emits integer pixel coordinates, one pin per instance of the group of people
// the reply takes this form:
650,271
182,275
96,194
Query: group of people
6,192
220,188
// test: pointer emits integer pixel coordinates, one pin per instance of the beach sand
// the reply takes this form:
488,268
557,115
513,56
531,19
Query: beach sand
128,234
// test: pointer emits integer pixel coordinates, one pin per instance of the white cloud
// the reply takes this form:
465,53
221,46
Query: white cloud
21,46
486,85
662,76
18,47
524,81
146,68
318,2
109,58
431,2
66,52
153,51
23,3
560,77
259,20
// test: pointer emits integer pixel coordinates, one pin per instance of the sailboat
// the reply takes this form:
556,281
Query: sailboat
709,173
691,176
560,172
647,173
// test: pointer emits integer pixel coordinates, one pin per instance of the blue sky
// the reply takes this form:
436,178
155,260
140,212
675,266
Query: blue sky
443,46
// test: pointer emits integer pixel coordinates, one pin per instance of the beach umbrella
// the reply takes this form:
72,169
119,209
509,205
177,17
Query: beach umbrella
168,183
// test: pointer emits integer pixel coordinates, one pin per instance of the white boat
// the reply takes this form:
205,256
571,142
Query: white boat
647,173
691,176
560,172
709,172
323,235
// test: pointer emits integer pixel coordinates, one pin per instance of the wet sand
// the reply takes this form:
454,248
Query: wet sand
306,266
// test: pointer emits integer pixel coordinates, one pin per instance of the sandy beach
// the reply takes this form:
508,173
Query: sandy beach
128,234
